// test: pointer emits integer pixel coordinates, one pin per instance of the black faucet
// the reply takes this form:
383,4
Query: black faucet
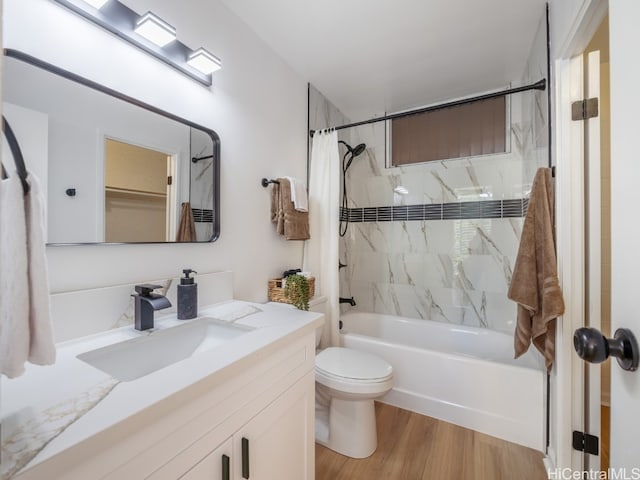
146,303
350,301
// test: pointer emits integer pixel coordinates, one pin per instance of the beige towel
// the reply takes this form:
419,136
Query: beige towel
187,227
14,280
42,350
26,332
535,285
291,223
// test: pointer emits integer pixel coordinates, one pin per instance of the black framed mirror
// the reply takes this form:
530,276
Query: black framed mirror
116,170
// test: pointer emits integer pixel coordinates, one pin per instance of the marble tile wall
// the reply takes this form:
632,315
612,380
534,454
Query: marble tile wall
456,271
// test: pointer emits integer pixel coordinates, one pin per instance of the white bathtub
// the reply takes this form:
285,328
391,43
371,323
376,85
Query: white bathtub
462,375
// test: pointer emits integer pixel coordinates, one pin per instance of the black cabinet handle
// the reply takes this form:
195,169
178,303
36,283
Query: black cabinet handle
245,457
226,475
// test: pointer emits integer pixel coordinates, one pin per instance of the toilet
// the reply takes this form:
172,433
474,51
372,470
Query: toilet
351,380
347,382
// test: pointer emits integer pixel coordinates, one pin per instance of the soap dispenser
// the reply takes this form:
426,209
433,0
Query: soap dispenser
187,296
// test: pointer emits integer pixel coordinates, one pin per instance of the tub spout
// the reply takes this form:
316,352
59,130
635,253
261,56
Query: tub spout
350,301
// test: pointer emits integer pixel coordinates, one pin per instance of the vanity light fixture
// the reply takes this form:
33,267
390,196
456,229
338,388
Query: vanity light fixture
97,4
204,61
147,32
154,29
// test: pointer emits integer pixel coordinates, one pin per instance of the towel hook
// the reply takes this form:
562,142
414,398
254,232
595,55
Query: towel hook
17,155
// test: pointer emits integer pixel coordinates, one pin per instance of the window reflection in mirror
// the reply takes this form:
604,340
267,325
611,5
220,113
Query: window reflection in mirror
67,126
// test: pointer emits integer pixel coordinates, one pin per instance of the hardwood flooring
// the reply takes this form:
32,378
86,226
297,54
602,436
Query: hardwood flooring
605,416
415,447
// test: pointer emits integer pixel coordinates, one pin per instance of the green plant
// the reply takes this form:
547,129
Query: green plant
296,289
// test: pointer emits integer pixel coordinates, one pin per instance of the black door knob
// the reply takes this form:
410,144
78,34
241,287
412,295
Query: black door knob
592,346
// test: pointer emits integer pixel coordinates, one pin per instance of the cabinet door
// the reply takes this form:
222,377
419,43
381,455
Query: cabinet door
215,466
279,442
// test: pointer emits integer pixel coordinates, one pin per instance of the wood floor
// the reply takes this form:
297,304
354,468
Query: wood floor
605,413
415,447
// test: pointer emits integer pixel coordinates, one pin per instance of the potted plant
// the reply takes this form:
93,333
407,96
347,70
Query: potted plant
296,289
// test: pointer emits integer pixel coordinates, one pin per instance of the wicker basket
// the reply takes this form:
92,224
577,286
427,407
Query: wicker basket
276,290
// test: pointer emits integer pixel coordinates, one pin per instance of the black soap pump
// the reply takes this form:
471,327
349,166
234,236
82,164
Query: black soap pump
187,296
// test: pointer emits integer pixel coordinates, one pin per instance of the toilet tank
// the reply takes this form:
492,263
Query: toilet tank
319,305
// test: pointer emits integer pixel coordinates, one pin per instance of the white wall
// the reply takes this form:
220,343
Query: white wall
74,163
257,105
31,130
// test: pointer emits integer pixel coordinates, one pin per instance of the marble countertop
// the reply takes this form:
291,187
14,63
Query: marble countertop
50,409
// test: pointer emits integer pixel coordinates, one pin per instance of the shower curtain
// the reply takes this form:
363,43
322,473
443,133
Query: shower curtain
321,250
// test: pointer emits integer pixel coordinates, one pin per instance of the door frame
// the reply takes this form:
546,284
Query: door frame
567,398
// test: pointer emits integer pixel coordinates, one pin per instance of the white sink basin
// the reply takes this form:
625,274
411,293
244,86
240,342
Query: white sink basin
143,355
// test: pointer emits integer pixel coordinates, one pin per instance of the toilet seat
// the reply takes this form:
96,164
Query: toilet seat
353,365
353,372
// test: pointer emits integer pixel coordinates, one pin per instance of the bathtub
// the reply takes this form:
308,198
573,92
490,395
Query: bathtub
462,375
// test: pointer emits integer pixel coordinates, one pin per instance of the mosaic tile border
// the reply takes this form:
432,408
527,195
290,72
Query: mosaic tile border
514,208
201,215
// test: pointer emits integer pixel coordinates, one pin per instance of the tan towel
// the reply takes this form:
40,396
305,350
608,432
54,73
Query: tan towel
291,223
187,227
535,285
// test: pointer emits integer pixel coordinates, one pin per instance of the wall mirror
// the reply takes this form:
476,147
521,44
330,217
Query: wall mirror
114,170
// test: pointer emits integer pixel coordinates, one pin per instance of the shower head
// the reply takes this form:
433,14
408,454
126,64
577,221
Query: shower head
354,152
358,150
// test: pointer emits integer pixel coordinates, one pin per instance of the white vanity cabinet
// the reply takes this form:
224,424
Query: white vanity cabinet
278,438
275,444
266,397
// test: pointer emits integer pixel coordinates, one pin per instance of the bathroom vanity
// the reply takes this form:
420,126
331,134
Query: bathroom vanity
243,409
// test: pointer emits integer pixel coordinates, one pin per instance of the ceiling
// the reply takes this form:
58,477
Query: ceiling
372,56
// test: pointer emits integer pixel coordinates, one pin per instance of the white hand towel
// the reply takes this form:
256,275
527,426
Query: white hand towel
42,349
25,320
14,282
298,194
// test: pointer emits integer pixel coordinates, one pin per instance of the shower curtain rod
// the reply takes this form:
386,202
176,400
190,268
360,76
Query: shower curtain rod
540,85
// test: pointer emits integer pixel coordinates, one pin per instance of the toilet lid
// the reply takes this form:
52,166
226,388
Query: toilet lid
348,363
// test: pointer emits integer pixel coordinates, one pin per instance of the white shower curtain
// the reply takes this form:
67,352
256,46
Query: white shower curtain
321,250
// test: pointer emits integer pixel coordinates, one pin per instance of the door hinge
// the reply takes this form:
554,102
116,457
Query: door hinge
583,109
169,180
583,442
